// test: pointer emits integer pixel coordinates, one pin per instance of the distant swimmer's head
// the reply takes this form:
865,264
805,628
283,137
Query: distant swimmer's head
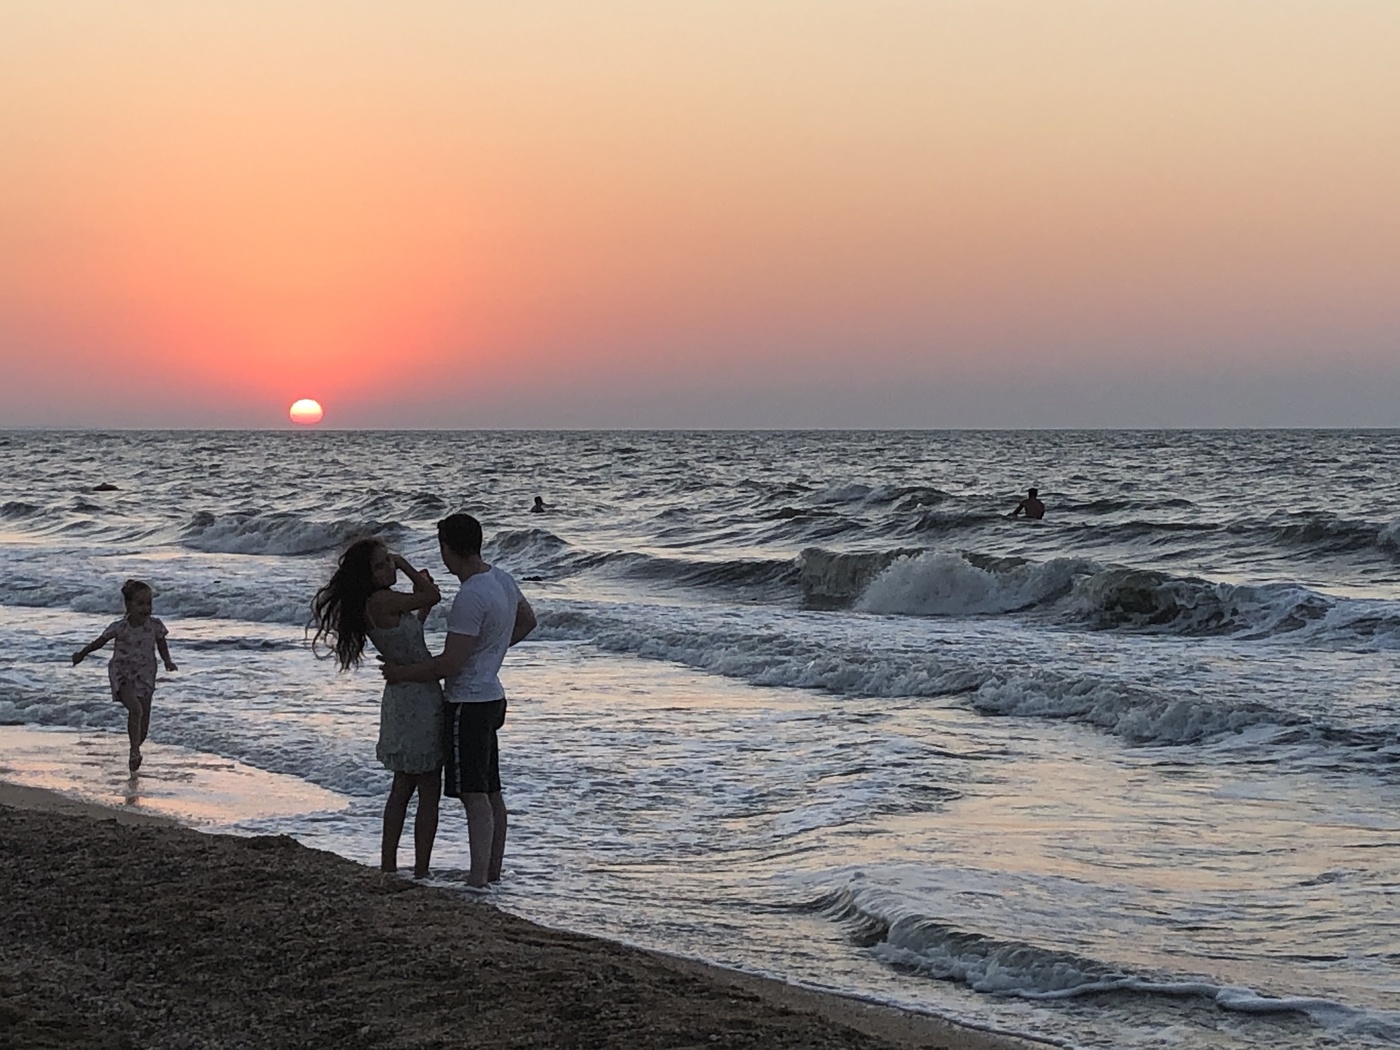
539,503
459,537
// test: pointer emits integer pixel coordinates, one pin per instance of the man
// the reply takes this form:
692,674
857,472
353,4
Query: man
488,616
1035,510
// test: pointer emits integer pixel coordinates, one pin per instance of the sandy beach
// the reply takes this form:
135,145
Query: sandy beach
125,930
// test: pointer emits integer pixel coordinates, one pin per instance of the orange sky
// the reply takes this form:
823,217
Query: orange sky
939,212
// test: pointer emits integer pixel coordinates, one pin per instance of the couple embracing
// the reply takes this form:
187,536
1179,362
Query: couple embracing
422,739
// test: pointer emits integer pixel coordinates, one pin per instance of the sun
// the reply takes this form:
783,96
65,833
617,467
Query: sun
306,412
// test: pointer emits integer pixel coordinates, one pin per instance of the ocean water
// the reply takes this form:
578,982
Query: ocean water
808,704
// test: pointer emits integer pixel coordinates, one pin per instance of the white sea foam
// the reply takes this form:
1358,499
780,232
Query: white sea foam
764,657
940,584
276,533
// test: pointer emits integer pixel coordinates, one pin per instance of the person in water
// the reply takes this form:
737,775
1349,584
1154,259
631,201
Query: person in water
132,670
488,616
1035,510
360,604
540,506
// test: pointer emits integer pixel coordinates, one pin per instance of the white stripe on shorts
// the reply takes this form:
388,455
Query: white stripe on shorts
457,748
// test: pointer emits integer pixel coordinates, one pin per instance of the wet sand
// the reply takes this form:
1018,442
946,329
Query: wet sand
195,788
123,930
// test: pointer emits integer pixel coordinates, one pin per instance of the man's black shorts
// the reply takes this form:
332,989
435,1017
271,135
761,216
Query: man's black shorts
473,758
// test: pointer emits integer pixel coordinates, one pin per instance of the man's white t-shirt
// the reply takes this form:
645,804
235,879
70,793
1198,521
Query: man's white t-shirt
485,609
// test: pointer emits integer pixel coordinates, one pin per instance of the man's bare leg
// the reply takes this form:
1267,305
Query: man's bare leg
498,836
481,831
425,821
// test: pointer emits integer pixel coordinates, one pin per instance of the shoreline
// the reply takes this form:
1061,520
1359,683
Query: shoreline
173,936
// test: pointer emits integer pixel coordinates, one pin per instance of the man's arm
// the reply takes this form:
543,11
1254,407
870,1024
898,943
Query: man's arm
455,652
524,621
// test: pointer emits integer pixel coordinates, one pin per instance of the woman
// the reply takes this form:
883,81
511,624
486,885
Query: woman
360,603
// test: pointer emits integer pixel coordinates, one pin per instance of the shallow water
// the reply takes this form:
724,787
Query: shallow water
807,704
193,788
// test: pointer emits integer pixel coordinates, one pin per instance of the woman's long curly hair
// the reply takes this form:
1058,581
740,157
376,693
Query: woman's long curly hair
338,610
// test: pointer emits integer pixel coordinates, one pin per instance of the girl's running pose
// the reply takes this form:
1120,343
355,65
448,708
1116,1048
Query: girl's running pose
360,603
132,669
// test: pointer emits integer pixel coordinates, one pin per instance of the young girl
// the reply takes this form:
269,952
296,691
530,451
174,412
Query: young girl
360,603
132,669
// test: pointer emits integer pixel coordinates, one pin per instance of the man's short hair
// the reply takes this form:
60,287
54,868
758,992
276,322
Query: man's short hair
1032,493
461,533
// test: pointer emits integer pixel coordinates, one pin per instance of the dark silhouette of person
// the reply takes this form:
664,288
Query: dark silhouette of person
1035,510
540,506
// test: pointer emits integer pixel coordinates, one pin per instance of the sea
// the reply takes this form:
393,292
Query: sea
810,705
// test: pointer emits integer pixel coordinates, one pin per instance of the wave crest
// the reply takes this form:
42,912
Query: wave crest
1078,592
278,533
943,584
1144,599
840,577
17,509
934,948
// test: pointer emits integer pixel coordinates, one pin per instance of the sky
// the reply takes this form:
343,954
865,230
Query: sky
728,213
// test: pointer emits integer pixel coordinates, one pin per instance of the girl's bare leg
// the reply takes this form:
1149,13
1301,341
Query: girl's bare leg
425,821
134,719
395,810
145,718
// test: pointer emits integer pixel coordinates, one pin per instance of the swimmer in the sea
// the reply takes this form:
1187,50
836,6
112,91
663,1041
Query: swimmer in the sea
1035,510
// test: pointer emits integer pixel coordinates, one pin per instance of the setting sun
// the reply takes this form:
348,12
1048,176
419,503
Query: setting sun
306,411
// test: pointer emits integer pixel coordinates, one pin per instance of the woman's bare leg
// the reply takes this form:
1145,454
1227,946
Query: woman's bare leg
425,821
395,810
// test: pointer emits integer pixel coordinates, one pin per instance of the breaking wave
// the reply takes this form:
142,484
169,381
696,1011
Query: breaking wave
840,577
938,584
931,947
1136,712
277,533
1079,592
